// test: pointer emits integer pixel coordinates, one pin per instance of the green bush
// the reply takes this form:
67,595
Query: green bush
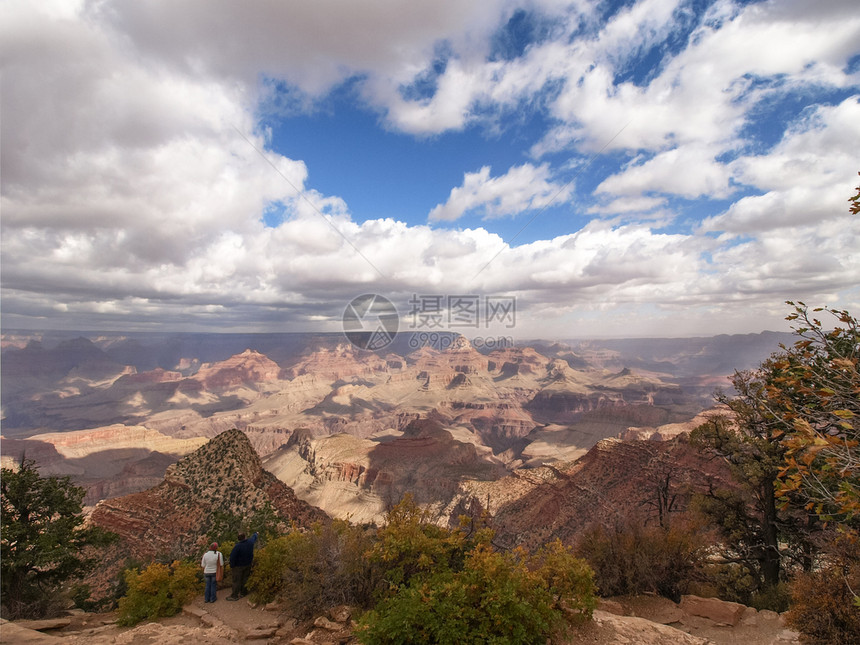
158,591
502,598
451,586
568,578
733,581
270,562
410,544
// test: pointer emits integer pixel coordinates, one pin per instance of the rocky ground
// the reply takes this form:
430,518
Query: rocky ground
644,620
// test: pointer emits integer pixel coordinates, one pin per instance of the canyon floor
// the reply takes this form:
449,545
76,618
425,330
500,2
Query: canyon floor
226,622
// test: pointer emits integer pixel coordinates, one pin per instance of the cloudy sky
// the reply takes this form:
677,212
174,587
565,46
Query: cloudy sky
650,167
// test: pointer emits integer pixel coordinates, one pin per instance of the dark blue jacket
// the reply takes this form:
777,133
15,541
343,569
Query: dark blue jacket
242,554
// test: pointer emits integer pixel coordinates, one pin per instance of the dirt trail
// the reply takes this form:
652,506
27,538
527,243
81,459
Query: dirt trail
647,620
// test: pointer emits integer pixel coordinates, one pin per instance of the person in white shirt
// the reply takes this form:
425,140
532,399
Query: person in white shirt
211,562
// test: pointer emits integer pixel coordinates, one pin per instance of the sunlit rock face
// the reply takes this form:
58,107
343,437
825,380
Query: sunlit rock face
115,412
361,479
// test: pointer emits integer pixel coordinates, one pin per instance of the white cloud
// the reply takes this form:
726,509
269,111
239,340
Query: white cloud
806,178
637,204
128,194
690,171
522,188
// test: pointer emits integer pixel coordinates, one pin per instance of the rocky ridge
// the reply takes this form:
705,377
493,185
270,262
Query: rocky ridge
173,517
614,479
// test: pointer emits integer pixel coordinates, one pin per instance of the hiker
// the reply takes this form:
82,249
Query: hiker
241,559
213,564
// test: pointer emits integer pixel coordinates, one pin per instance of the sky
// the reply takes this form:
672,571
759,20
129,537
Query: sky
604,169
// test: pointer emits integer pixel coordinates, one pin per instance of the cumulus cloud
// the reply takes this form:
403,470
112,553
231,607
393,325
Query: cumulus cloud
637,204
807,177
133,192
690,171
522,188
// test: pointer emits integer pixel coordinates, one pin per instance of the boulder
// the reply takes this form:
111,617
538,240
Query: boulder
13,633
195,612
659,610
340,614
721,612
629,629
324,623
750,617
44,625
260,633
768,616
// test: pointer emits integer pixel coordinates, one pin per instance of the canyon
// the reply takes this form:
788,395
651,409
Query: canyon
351,431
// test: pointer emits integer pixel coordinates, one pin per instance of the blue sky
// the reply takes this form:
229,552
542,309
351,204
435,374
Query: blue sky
640,168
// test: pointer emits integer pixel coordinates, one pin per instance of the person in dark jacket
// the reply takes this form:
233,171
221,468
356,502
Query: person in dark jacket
241,559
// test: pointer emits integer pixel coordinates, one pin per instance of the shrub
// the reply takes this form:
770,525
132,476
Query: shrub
824,607
632,558
409,544
158,591
733,581
451,586
497,597
569,579
80,593
775,598
319,568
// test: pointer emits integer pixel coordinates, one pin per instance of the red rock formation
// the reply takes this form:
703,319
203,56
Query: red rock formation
342,362
369,475
614,479
517,360
247,368
173,517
